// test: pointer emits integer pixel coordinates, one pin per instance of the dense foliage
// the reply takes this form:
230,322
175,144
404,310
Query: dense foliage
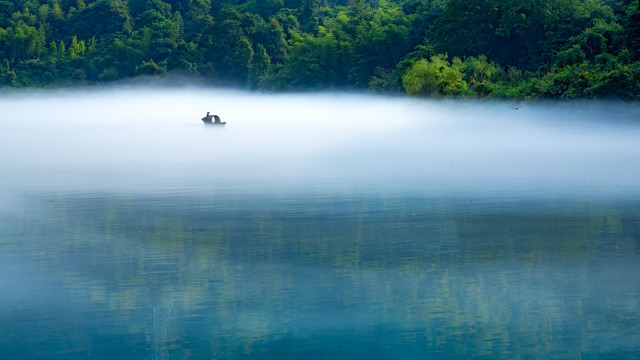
495,48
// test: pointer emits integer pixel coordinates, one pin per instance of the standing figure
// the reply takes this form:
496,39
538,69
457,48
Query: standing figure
207,119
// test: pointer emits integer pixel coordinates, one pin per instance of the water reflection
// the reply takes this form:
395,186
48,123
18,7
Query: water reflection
319,277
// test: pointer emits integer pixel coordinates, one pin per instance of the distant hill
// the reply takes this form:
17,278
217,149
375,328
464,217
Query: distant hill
472,48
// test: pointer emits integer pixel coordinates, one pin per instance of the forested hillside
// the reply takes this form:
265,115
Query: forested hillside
493,48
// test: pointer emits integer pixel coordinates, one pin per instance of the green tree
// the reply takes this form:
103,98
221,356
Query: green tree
76,49
264,8
7,75
275,42
6,10
481,75
259,65
631,24
149,68
522,33
103,17
494,28
380,42
185,58
288,20
435,77
242,60
198,17
312,62
21,42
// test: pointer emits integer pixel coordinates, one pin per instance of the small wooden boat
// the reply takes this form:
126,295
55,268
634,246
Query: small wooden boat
212,120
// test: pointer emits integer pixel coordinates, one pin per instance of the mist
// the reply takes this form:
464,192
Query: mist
149,140
346,225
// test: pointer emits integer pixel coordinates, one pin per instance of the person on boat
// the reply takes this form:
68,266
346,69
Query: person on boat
207,118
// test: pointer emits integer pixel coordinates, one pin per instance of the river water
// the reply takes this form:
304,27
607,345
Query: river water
316,226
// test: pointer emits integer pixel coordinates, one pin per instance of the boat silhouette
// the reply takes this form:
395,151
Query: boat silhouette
212,120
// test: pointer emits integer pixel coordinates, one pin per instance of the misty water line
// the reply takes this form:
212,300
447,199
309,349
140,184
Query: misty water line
132,139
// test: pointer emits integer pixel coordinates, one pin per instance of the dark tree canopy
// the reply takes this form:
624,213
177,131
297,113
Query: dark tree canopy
494,48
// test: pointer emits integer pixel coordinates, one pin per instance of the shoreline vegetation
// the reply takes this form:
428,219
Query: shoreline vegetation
497,49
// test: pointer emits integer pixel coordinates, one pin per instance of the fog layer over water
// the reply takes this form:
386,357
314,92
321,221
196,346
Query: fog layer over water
316,226
150,140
